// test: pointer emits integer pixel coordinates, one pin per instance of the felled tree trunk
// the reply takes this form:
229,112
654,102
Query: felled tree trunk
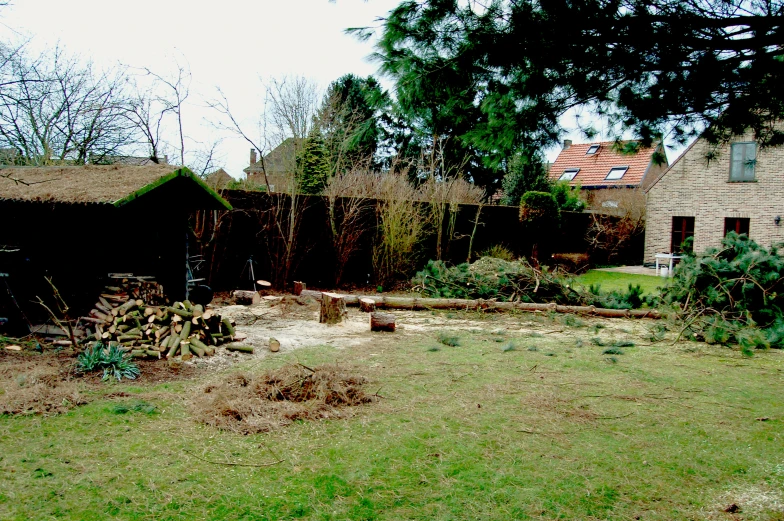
333,308
382,322
246,298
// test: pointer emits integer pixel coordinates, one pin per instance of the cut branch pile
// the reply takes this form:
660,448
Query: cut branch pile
144,330
732,294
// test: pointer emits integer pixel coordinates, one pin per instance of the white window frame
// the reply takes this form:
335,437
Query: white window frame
614,171
569,174
743,159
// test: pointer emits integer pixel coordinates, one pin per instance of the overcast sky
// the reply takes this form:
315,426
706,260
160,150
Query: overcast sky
231,44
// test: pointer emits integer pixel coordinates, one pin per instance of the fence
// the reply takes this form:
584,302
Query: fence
260,234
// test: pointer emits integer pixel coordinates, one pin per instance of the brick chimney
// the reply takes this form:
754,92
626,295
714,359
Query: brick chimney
252,156
567,143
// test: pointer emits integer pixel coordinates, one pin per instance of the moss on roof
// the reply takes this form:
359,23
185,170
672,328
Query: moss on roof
90,184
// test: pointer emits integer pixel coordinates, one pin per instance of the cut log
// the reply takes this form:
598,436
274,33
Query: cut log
125,308
264,283
311,294
227,325
367,305
419,304
180,312
333,308
238,347
299,287
246,298
382,322
197,347
274,345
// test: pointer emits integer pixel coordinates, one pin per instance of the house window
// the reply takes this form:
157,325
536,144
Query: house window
743,158
616,173
593,149
736,224
569,174
682,229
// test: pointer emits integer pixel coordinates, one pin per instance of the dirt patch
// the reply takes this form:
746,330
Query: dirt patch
247,403
37,384
47,383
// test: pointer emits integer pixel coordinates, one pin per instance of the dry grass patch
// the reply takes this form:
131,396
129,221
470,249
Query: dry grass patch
37,386
248,403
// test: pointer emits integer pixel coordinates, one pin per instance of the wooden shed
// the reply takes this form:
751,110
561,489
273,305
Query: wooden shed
77,224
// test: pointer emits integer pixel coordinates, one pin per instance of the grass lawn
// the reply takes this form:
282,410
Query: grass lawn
610,280
526,418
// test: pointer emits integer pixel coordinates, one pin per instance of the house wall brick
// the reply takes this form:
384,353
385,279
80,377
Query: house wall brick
696,187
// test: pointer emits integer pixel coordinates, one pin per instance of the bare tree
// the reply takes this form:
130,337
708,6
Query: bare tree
349,200
290,107
54,108
169,93
617,219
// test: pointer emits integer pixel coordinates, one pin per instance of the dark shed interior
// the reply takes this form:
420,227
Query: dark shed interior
78,224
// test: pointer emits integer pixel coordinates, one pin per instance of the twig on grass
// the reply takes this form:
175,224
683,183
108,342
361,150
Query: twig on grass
613,417
233,463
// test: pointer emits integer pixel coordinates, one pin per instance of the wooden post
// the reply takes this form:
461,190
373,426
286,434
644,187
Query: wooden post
382,322
333,308
367,305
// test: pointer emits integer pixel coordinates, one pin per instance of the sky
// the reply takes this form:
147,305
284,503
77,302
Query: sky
231,44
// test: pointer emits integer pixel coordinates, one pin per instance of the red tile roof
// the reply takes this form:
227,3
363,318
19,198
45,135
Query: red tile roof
594,168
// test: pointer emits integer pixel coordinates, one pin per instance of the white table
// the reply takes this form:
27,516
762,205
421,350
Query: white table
666,257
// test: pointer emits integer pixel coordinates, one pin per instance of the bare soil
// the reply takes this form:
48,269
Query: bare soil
36,383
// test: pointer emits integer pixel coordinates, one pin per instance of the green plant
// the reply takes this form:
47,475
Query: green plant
448,339
139,406
732,294
113,361
612,351
499,251
401,225
567,197
508,347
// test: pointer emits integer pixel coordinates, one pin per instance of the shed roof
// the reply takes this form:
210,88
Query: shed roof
117,185
593,169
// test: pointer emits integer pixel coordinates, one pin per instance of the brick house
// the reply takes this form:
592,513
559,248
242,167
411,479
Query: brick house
605,173
740,188
279,165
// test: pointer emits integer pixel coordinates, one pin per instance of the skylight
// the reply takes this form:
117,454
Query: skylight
592,149
569,174
616,173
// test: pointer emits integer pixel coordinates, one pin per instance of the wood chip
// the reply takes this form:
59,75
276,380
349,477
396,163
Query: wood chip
14,348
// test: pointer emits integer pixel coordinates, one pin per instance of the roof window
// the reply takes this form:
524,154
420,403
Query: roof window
569,174
593,149
616,173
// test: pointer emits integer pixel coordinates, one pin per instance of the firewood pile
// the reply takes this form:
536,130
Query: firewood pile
132,314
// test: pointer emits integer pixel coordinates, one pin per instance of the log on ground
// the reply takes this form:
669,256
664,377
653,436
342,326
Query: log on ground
246,298
382,322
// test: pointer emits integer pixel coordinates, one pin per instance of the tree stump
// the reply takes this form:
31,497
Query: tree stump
333,308
367,305
298,287
382,322
246,298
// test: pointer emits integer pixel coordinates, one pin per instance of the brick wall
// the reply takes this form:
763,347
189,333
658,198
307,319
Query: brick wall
694,187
